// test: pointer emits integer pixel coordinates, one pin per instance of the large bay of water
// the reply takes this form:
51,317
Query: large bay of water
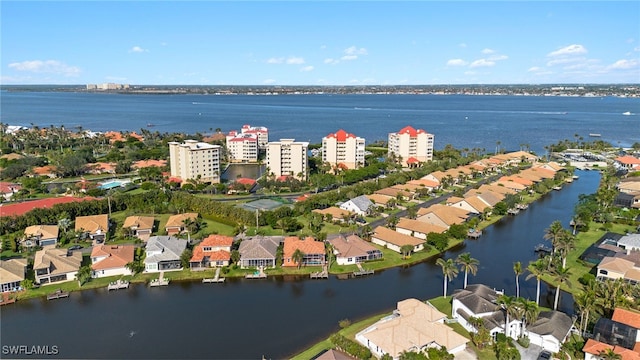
276,317
460,120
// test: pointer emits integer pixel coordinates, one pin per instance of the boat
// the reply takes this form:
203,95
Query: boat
150,125
626,113
595,135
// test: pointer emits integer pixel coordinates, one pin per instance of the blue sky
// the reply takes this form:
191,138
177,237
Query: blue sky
319,42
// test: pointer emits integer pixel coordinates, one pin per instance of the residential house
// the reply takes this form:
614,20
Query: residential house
413,326
334,213
259,251
425,183
7,189
101,168
95,227
621,334
213,251
629,242
314,252
49,171
140,164
111,260
12,272
380,200
549,331
163,253
442,215
551,165
139,226
417,228
628,162
351,249
360,205
394,240
629,185
472,204
493,187
53,265
395,193
333,354
40,235
176,223
620,266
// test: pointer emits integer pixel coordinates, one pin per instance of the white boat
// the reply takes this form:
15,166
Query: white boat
595,135
626,113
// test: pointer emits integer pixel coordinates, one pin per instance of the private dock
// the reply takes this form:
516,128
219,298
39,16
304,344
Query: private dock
513,211
522,206
215,279
58,294
324,274
362,271
7,299
160,281
257,275
474,234
117,285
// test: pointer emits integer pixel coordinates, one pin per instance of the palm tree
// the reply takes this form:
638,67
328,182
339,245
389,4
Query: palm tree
553,233
536,269
449,270
609,354
298,257
507,304
530,312
566,243
517,269
468,265
561,275
406,251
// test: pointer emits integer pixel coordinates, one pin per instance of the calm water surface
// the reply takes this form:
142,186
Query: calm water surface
276,317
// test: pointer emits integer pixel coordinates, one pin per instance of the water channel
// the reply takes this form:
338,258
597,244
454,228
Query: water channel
276,317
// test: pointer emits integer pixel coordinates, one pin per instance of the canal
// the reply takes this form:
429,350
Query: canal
276,317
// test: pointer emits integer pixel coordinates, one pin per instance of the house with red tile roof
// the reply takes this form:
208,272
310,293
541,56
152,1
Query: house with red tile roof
213,251
49,171
149,163
111,260
620,334
26,206
101,168
95,227
7,189
314,251
628,162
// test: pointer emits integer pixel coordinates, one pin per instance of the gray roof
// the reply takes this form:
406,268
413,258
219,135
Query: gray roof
170,248
477,298
260,247
554,323
362,202
631,240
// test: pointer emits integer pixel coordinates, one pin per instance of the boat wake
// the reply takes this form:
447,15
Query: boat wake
132,334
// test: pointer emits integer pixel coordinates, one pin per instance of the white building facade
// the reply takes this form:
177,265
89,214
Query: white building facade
343,148
411,145
242,147
195,160
288,157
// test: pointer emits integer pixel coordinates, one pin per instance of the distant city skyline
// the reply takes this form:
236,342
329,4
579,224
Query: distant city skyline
319,42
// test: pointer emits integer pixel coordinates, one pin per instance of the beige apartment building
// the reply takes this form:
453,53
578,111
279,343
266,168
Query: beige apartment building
287,157
343,149
242,147
192,159
261,132
411,145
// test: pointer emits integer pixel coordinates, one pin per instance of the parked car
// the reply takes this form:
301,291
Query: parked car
75,247
544,355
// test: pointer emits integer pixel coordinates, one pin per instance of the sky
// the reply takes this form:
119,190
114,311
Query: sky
319,42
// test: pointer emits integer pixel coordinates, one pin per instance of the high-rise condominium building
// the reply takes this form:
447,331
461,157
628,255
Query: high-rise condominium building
287,157
242,147
195,160
343,149
411,145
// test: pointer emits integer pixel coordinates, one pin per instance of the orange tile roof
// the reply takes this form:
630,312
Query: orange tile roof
116,256
596,347
218,255
627,317
148,163
44,170
217,240
307,246
178,219
628,160
92,223
24,207
341,135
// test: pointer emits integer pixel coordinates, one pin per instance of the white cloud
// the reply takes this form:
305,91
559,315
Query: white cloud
568,50
456,62
295,61
565,60
331,61
487,51
275,61
349,57
46,66
307,68
534,69
137,49
355,51
498,57
482,63
624,64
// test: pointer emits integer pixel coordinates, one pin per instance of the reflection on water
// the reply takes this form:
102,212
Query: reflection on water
236,171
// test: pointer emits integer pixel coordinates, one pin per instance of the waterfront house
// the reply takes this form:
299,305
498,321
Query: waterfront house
549,331
394,240
259,251
95,227
629,242
472,204
493,187
176,223
314,251
12,272
517,187
413,326
628,162
213,251
163,253
620,266
442,215
40,235
333,354
621,334
139,226
53,266
360,205
110,260
7,189
419,229
351,249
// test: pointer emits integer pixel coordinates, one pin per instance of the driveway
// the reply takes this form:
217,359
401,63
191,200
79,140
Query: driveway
530,353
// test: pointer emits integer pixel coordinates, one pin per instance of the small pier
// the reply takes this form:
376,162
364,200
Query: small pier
257,275
215,279
541,248
362,271
7,299
474,234
324,274
513,211
522,206
160,281
117,285
58,294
